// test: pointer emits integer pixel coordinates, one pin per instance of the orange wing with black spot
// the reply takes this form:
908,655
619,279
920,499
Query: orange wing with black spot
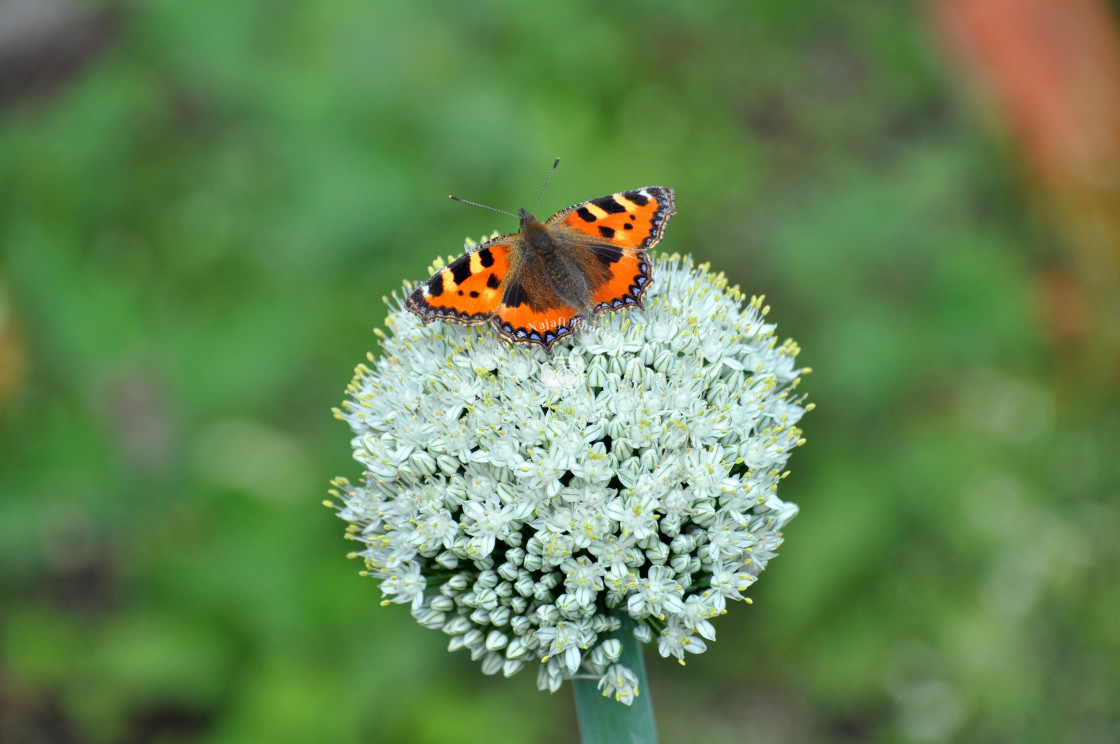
531,313
630,276
469,289
633,220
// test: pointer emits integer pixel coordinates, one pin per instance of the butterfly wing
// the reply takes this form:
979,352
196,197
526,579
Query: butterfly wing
469,289
530,311
628,276
609,237
633,220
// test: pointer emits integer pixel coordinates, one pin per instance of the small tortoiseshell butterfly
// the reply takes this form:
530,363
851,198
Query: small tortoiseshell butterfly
539,285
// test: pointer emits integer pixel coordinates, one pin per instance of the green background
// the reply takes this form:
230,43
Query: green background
197,226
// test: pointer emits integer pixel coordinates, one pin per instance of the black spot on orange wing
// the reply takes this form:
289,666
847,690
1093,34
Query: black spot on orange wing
610,204
607,254
460,269
637,197
434,285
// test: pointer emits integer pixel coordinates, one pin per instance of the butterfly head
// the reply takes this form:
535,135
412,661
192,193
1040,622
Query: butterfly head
526,218
536,235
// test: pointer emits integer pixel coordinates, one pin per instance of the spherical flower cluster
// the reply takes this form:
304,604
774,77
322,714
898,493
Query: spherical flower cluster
523,502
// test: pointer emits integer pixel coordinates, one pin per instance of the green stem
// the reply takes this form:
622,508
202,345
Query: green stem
603,720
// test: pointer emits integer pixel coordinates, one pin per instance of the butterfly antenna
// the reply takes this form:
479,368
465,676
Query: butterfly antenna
484,206
546,182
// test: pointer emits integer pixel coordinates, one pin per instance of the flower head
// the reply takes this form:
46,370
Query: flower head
521,502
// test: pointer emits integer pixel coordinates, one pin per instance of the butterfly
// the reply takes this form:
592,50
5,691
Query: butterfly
538,285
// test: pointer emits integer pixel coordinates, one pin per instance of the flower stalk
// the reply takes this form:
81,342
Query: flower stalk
601,719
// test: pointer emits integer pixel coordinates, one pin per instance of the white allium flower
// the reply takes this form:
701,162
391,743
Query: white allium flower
520,502
620,683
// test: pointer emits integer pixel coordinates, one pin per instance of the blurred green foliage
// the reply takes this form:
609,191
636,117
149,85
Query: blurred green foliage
197,228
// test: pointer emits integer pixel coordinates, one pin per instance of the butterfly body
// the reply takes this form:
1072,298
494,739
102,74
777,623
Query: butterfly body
550,256
537,286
